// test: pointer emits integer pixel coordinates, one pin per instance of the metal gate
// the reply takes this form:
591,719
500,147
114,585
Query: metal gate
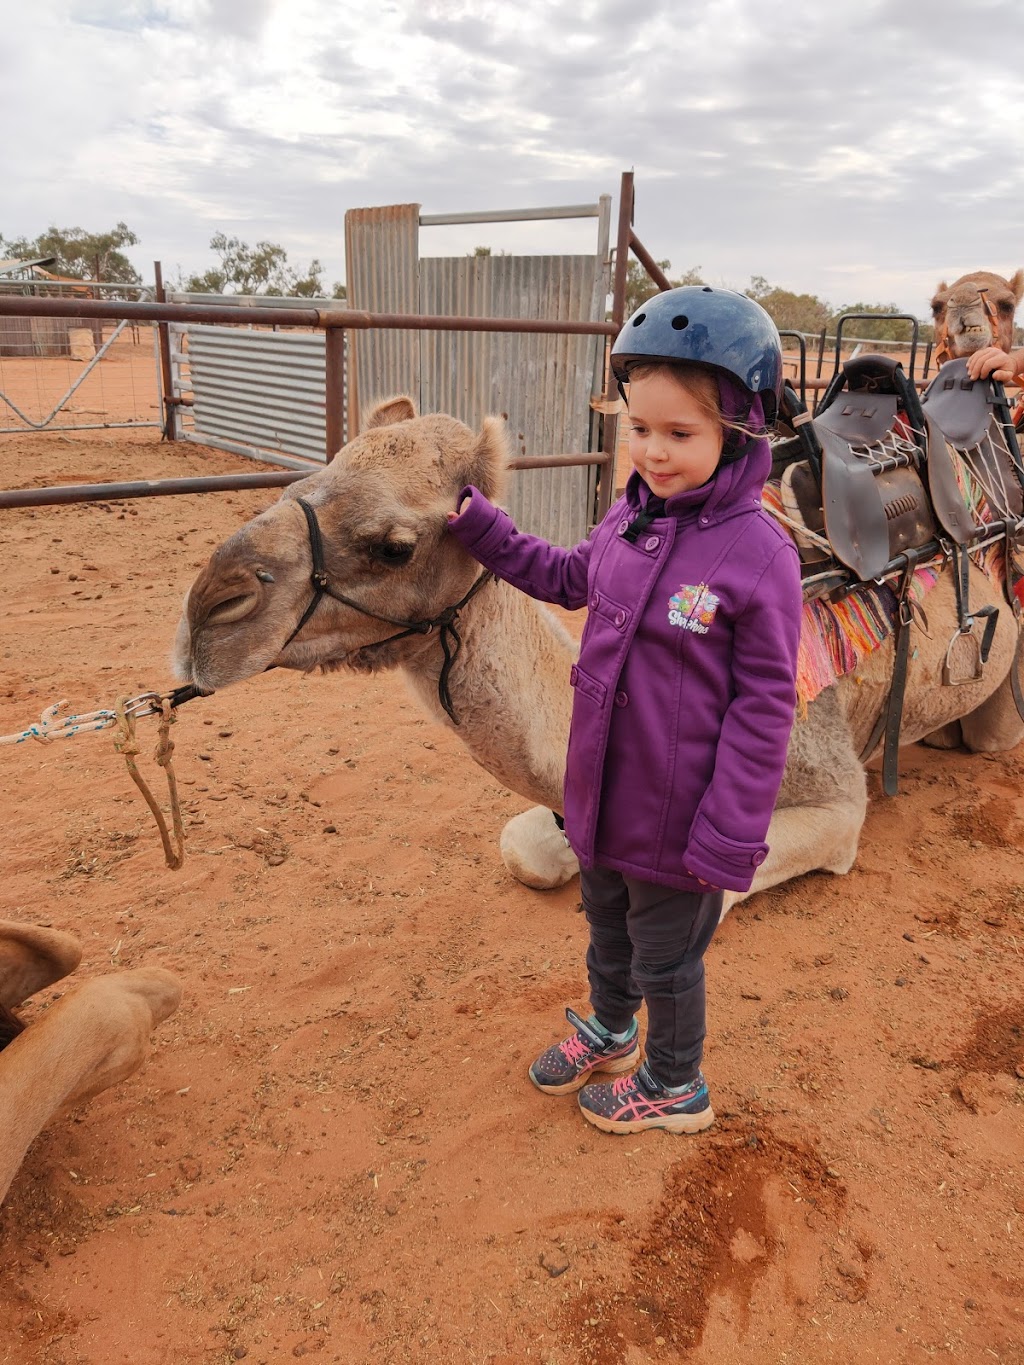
542,385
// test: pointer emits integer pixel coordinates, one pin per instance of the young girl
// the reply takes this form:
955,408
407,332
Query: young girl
684,693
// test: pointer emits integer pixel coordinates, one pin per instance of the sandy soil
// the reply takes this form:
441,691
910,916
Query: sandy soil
334,1149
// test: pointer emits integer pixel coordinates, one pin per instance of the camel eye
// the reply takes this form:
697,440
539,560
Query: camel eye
937,308
392,552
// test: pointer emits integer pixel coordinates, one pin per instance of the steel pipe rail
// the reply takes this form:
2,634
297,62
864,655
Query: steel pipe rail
222,483
324,319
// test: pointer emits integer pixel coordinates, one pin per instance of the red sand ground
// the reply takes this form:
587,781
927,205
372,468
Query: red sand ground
334,1150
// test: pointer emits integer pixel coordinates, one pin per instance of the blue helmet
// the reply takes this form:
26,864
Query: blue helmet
708,326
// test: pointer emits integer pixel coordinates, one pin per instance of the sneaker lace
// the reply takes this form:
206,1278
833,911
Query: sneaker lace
575,1048
623,1084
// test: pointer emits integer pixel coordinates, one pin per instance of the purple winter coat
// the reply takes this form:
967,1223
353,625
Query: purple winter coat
685,684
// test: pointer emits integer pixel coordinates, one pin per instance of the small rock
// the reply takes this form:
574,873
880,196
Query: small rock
330,829
900,981
191,1170
391,1209
412,1031
554,1263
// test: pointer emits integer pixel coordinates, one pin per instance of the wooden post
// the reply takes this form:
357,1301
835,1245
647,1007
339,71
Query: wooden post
170,428
334,394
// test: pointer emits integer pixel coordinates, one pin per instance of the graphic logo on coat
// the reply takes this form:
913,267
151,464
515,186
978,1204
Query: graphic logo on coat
693,608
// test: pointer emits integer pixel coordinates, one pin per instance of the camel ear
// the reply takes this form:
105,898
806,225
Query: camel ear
1016,283
389,412
490,457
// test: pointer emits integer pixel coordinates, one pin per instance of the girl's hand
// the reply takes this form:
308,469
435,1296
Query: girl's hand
991,362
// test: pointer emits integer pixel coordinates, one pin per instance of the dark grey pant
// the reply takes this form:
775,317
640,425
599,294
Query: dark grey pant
647,942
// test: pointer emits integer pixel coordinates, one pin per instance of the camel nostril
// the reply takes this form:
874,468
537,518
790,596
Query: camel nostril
234,609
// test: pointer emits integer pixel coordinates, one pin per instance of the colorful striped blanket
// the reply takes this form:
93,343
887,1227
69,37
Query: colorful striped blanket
838,636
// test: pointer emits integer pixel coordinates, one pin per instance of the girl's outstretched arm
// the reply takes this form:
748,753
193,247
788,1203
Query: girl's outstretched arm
529,563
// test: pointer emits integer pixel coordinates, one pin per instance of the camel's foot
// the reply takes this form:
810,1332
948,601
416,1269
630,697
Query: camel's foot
945,737
95,1036
534,850
32,958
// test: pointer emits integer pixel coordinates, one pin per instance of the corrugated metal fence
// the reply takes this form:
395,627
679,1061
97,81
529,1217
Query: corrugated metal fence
542,385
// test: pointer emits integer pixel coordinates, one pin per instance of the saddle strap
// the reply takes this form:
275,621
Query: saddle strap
965,617
898,687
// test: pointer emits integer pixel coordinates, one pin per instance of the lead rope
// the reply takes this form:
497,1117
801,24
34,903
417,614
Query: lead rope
128,746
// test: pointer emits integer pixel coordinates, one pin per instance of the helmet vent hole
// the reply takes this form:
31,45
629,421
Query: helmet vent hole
707,289
680,321
638,319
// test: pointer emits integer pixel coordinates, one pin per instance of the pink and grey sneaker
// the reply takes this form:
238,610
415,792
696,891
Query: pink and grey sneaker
633,1103
566,1066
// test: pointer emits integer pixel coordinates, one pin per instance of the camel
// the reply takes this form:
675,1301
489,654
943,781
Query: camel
93,1037
382,506
963,323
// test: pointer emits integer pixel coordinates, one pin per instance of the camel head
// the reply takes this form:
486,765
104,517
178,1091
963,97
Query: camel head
963,324
382,508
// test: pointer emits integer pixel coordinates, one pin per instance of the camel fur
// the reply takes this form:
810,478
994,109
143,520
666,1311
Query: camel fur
92,1038
382,506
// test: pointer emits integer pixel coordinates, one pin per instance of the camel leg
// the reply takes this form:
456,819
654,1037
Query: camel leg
534,850
995,726
94,1037
32,958
821,808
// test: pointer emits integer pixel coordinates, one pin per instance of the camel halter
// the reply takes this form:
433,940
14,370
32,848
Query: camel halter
446,621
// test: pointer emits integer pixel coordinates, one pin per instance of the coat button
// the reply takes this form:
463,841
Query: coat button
574,674
620,618
652,543
595,601
759,857
623,527
704,521
621,699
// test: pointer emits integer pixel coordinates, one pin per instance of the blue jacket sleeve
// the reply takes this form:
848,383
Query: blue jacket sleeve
529,563
727,837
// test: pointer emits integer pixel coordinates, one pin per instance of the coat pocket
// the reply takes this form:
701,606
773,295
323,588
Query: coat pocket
587,686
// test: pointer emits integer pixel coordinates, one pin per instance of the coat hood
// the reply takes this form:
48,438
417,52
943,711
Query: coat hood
736,485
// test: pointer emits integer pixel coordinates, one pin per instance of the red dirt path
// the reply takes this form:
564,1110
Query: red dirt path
334,1150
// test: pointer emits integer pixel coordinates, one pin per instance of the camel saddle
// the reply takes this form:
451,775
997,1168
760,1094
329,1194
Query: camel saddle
887,483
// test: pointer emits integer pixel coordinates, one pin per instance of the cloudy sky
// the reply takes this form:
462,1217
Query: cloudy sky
854,149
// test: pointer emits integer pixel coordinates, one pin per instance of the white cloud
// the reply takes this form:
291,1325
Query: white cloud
852,149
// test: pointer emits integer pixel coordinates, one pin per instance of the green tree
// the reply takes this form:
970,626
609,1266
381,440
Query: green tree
790,312
259,269
882,330
640,287
79,254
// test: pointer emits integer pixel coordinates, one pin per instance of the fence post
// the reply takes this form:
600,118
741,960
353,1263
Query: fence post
334,393
170,427
610,425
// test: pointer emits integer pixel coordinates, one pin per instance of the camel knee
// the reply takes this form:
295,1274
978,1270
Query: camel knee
534,850
113,1017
